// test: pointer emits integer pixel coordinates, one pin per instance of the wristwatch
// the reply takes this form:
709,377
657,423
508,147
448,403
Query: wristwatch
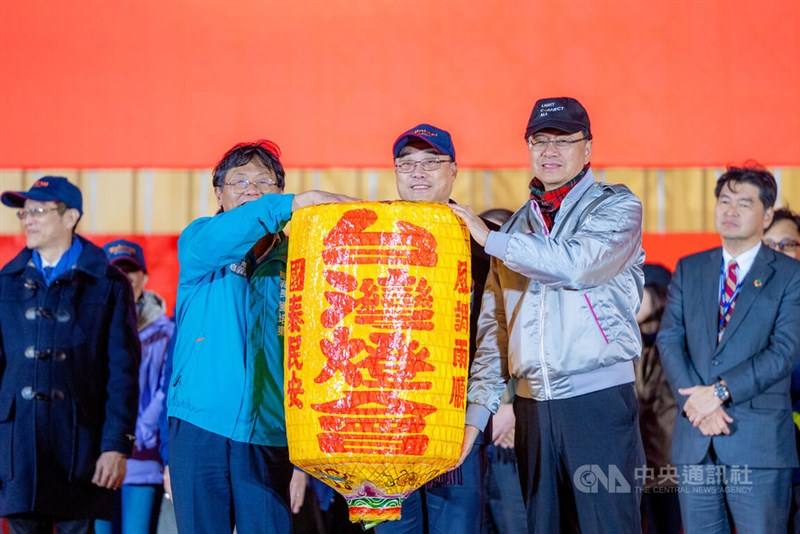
722,392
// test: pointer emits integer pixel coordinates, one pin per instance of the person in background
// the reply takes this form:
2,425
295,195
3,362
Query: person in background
783,236
228,458
140,499
729,339
657,410
69,353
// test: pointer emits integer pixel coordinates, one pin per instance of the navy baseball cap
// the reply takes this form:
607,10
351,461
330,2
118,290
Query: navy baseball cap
437,138
124,251
561,113
47,188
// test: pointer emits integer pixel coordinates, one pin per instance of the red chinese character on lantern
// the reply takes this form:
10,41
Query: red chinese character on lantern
461,312
348,243
373,422
394,363
295,313
340,354
297,274
397,301
462,278
390,361
293,360
461,354
458,391
294,388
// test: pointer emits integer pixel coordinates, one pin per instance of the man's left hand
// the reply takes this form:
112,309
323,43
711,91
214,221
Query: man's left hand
109,471
475,224
701,403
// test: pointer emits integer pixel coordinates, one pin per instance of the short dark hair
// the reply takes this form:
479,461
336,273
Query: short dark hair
785,214
241,154
754,174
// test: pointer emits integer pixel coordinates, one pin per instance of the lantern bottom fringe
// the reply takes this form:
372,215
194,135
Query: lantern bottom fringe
376,510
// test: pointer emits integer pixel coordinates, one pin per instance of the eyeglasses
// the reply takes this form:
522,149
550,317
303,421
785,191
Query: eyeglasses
240,186
785,245
426,164
36,213
539,145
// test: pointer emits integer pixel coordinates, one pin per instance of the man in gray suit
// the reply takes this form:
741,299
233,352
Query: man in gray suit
728,340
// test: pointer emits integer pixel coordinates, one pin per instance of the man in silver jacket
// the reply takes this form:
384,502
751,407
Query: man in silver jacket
559,315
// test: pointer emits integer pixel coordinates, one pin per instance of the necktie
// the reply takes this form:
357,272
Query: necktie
728,300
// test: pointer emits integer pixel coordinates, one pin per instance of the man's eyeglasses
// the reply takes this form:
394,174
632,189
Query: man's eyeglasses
426,164
36,213
785,245
539,145
240,186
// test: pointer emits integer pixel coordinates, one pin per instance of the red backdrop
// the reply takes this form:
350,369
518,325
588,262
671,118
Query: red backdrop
162,255
93,83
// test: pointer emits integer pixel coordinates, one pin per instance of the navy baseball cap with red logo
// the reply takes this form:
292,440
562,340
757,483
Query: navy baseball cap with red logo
437,138
47,188
122,252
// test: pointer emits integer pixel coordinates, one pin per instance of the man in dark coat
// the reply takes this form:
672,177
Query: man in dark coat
69,353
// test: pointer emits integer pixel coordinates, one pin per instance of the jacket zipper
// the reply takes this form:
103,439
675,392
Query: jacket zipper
542,360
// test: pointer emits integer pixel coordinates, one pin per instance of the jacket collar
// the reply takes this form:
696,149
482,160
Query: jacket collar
92,260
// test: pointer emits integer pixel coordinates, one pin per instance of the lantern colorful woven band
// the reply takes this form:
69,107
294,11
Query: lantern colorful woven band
377,348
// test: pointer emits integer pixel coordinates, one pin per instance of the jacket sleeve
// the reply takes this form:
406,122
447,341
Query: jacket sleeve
671,339
757,373
489,371
123,363
147,426
211,242
607,242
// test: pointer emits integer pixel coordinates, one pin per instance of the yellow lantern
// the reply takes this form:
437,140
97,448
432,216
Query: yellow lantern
377,348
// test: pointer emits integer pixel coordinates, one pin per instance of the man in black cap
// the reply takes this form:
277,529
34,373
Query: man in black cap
559,315
69,354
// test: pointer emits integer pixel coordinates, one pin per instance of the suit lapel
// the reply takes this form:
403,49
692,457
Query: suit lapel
753,284
708,295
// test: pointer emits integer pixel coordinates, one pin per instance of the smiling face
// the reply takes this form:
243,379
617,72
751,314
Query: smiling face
259,178
422,185
556,166
49,228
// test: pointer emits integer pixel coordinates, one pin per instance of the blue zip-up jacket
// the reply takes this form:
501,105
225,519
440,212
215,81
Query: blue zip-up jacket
210,387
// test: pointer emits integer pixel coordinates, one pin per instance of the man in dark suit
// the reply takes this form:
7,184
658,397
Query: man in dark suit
728,341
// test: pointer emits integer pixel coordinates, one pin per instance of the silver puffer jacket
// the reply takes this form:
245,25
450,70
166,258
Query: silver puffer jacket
559,307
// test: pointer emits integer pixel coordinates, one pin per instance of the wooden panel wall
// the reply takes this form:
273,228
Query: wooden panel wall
163,201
